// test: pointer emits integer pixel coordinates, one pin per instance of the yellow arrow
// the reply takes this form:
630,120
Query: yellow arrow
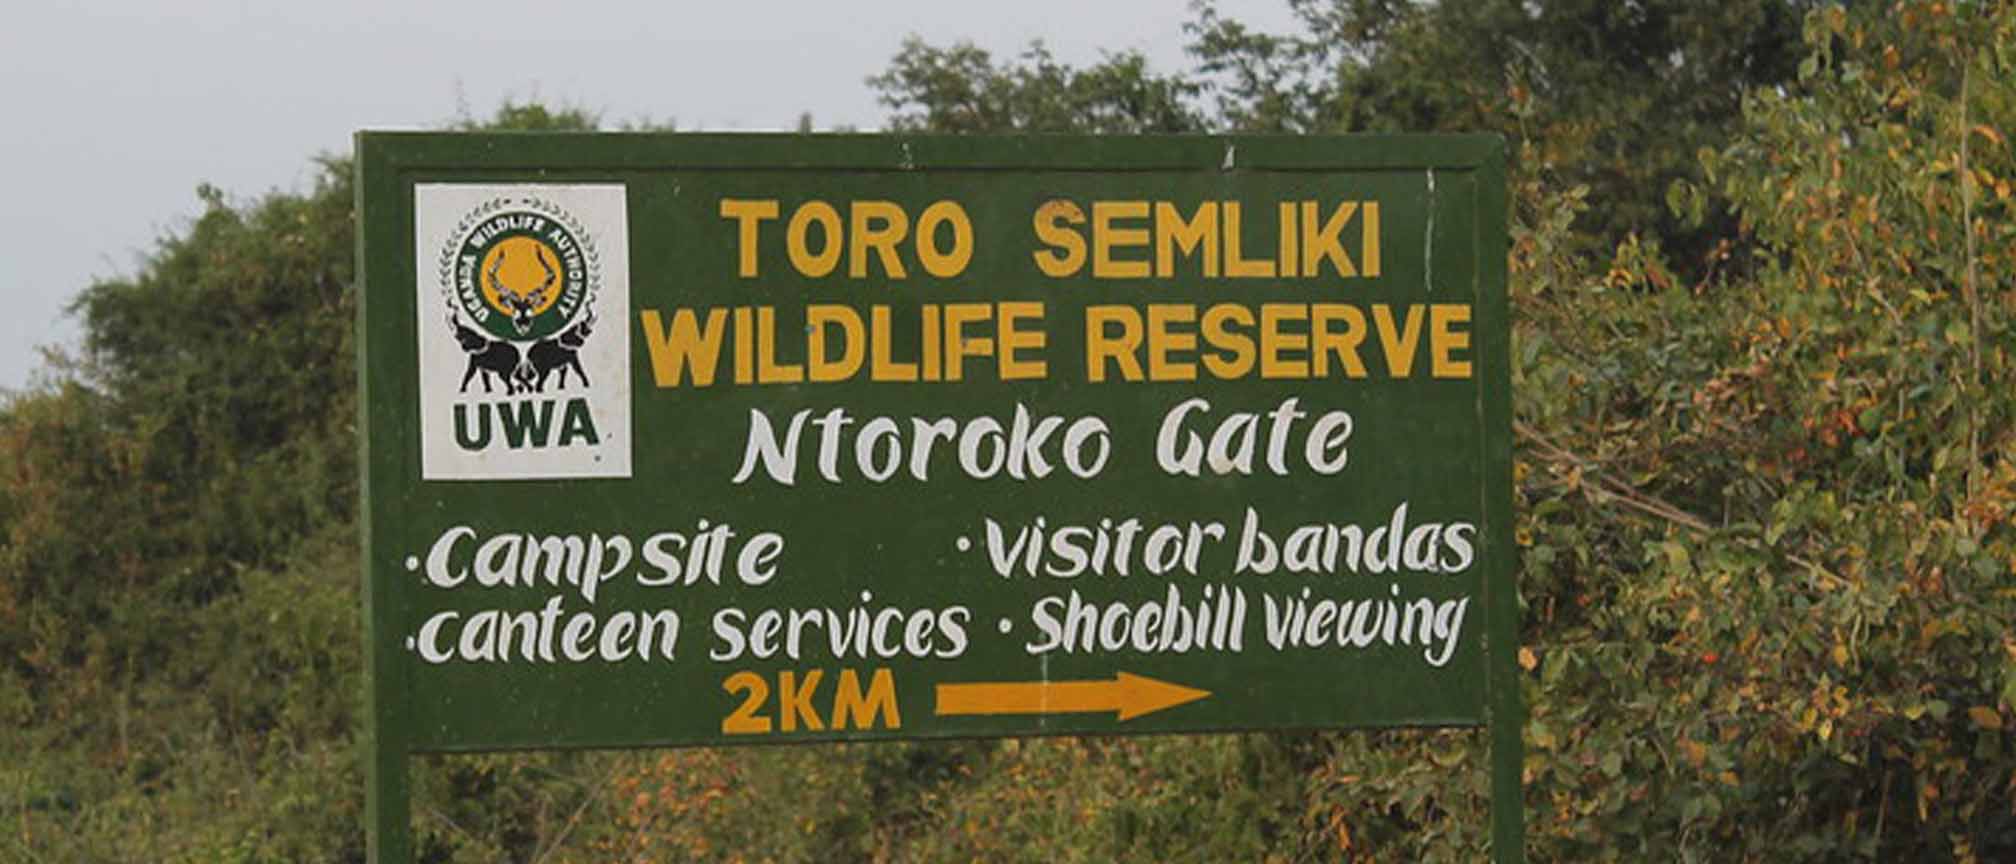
1130,695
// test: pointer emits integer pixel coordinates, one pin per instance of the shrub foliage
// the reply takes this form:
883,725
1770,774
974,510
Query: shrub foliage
1766,479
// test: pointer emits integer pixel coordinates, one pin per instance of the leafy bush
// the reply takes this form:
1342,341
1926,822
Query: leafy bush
1766,489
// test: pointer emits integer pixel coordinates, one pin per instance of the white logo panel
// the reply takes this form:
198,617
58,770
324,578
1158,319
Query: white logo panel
523,302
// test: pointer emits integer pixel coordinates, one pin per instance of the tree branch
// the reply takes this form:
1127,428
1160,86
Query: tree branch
1973,302
1629,496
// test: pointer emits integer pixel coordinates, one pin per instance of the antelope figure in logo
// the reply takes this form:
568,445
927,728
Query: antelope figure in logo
560,352
522,305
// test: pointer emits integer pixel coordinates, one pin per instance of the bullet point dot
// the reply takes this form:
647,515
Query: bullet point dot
1004,625
963,544
412,563
409,643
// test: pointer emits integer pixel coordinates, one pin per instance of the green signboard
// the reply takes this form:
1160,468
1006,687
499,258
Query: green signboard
703,440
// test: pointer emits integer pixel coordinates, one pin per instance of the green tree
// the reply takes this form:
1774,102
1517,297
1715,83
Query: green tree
1617,97
178,566
1767,512
962,89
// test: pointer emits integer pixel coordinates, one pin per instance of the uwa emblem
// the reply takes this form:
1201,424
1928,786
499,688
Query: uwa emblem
518,378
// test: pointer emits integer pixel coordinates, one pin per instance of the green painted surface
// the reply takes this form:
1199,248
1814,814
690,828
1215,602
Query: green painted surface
856,547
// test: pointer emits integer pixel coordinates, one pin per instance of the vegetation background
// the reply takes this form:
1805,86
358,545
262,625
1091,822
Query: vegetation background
1764,273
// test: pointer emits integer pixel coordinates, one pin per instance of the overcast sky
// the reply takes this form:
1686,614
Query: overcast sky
117,109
